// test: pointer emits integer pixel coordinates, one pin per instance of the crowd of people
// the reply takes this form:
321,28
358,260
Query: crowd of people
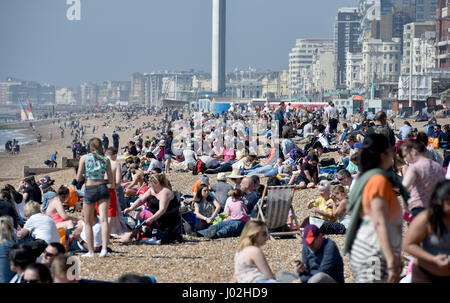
381,177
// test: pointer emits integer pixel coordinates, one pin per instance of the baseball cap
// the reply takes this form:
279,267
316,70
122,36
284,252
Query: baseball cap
205,179
310,233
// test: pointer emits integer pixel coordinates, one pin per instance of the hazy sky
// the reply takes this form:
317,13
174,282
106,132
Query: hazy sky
115,38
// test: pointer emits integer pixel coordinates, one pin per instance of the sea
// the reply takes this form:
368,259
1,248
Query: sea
18,134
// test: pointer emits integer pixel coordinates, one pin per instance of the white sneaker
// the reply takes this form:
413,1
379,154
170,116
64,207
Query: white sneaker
103,253
88,255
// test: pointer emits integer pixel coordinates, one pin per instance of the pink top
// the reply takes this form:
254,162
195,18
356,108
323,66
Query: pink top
244,271
228,154
237,211
160,155
428,173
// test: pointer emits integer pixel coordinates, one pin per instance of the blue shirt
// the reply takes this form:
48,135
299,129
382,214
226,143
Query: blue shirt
250,201
404,131
327,260
5,272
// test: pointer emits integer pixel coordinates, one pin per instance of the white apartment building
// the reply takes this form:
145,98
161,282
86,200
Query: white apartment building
65,96
354,79
322,70
301,60
418,47
381,61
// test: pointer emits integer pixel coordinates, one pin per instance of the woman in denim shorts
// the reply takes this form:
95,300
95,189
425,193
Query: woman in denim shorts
168,151
94,166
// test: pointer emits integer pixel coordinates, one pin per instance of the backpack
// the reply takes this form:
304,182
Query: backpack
327,162
381,129
73,197
199,167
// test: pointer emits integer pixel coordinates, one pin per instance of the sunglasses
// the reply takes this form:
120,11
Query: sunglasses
340,178
30,281
47,254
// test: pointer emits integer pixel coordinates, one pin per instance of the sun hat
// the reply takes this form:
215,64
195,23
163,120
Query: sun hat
126,155
162,143
235,174
310,233
221,177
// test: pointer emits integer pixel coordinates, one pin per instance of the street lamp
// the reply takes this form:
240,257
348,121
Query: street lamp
410,71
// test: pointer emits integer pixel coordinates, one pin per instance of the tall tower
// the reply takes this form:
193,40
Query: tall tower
218,46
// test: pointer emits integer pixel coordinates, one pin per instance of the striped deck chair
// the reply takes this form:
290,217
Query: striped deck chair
277,201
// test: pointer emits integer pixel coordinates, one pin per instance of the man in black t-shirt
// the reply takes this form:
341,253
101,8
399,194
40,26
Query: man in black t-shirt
115,138
132,149
31,190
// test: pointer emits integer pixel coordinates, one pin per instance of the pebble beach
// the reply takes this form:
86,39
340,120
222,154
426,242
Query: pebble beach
197,260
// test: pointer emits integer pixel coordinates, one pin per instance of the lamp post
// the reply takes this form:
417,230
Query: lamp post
410,71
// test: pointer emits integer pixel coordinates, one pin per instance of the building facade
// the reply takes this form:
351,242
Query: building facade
443,34
5,92
418,46
354,79
245,88
89,93
13,90
275,85
381,62
301,60
346,34
137,89
322,71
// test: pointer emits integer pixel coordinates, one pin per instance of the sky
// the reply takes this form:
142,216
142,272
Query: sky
115,38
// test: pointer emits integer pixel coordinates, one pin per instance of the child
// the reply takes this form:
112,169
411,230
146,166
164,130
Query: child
234,223
235,209
352,166
285,172
344,159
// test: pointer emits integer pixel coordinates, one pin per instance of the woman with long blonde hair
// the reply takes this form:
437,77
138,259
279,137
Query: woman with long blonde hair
250,264
94,166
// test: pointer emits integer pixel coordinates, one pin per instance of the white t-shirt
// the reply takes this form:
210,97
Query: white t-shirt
209,161
308,130
324,141
332,112
154,164
188,155
42,227
97,230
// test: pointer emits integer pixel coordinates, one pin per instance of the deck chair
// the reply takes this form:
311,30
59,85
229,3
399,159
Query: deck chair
274,207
